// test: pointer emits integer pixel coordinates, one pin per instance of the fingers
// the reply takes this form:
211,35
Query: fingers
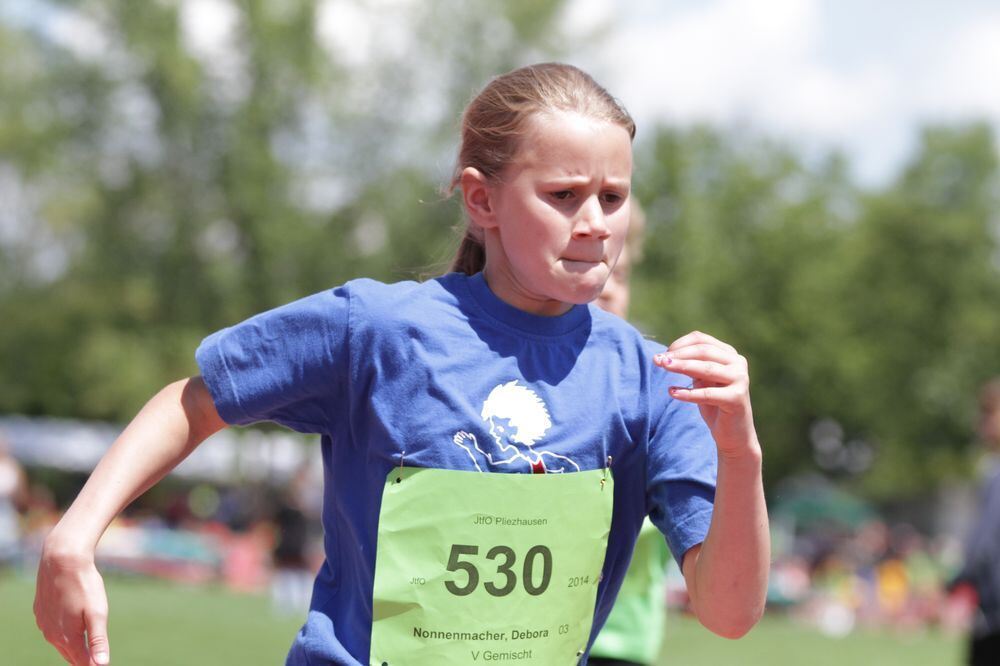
703,352
75,645
58,643
55,633
71,609
717,396
699,338
97,637
720,388
710,372
710,363
720,374
83,643
69,640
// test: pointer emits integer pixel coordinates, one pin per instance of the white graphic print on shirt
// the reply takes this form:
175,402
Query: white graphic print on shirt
518,419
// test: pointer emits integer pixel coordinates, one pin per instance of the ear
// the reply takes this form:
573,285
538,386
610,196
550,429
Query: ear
477,195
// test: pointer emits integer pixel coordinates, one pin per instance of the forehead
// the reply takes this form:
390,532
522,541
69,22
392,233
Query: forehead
566,143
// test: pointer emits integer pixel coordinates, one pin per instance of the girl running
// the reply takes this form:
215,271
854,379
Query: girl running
491,442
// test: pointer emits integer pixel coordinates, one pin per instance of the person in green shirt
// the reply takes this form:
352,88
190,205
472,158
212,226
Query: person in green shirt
634,631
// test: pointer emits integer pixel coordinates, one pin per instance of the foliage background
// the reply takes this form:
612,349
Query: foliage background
153,189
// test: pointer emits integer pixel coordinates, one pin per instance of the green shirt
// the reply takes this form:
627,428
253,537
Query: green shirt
634,630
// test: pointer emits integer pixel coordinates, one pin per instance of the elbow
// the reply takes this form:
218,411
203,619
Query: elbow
734,630
733,625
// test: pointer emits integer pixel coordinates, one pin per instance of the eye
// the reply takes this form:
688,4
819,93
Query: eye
612,198
562,195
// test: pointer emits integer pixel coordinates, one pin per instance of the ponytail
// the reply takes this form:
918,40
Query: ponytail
470,258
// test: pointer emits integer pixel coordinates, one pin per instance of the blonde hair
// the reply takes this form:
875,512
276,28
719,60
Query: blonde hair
494,121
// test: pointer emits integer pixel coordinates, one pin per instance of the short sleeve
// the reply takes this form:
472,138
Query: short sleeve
288,365
682,466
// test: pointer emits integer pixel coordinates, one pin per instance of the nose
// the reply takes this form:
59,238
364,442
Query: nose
590,221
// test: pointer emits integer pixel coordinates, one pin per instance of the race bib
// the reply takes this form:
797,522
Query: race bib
476,568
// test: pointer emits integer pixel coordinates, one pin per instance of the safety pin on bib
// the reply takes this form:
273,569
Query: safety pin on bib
605,477
400,477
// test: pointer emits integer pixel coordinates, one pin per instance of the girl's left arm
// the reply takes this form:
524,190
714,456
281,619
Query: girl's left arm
727,574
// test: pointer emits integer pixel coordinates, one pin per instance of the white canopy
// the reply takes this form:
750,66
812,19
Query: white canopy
232,454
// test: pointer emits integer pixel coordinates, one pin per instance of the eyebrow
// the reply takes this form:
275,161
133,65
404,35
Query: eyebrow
620,183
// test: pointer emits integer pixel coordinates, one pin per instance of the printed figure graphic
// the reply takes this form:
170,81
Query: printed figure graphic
518,418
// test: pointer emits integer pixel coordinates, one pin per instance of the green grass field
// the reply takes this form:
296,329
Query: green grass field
158,624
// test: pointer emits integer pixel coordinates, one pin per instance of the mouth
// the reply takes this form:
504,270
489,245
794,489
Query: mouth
583,261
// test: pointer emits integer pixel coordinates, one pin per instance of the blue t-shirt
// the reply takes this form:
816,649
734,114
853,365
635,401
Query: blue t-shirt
422,368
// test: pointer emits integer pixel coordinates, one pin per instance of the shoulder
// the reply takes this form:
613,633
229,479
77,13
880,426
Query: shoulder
410,309
353,303
375,291
636,351
612,329
631,344
398,299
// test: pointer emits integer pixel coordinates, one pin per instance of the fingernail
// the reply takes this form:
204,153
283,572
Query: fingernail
101,657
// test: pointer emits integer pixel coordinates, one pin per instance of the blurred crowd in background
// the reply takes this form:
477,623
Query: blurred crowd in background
249,537
840,565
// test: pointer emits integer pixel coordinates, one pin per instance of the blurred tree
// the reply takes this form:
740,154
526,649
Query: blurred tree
922,293
184,165
868,319
167,169
51,107
745,243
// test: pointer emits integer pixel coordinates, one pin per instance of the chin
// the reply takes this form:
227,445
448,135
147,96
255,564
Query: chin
577,288
585,294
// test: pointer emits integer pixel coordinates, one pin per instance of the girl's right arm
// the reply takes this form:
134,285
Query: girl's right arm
70,602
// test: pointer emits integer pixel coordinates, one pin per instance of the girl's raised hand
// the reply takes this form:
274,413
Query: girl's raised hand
71,608
720,387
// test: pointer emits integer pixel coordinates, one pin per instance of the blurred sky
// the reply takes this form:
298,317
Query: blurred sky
853,74
856,74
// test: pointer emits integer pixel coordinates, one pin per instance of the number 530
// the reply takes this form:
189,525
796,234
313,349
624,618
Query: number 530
505,568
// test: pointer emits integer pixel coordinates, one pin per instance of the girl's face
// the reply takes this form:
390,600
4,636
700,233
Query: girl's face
559,213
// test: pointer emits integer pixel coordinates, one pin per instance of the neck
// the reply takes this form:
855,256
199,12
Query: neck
504,283
506,287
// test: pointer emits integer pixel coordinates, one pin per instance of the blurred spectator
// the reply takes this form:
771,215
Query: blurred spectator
873,576
13,502
633,632
292,575
245,564
979,579
617,293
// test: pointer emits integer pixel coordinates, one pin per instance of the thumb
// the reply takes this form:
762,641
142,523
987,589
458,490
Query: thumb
97,638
